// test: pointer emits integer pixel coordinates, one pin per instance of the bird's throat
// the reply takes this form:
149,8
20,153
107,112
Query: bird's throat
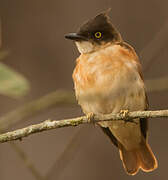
85,47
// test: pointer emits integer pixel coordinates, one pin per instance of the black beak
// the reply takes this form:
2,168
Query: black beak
75,37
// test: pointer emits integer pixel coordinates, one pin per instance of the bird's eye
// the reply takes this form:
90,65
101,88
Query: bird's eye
98,35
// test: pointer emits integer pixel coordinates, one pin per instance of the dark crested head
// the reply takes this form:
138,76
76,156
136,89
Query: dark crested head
97,30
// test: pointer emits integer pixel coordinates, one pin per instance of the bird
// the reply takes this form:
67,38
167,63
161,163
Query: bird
108,79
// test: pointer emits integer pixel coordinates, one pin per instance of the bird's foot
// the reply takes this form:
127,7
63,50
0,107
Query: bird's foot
124,114
90,117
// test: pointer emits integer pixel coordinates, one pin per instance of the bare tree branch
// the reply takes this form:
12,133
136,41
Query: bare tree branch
61,98
52,99
58,97
48,124
149,53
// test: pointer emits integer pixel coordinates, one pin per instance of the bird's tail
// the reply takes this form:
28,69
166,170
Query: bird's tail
142,157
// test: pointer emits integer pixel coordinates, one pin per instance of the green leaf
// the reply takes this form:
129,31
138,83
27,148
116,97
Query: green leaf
12,83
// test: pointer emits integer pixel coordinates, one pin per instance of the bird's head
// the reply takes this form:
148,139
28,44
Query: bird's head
94,33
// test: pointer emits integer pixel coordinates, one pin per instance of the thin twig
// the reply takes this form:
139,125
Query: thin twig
48,124
148,54
60,98
52,99
69,152
29,109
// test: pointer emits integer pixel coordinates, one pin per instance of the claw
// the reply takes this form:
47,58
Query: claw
124,113
90,117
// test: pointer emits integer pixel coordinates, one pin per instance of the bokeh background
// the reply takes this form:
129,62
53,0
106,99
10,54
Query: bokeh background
33,33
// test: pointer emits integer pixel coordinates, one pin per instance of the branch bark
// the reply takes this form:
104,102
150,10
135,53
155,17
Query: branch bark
52,99
60,97
48,124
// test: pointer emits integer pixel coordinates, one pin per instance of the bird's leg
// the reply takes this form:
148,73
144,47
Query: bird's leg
90,117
